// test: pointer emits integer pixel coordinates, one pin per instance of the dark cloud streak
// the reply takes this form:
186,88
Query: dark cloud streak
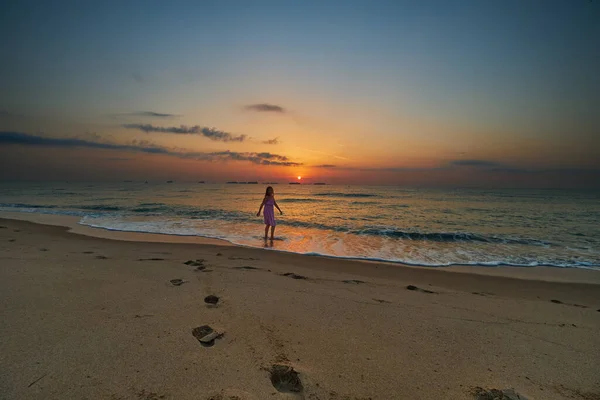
211,133
18,138
475,163
264,107
271,141
152,114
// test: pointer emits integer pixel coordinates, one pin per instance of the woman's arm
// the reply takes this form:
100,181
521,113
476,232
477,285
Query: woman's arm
261,206
275,203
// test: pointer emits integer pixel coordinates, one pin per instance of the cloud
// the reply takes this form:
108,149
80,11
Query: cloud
475,163
144,146
118,159
264,107
257,158
271,141
491,166
211,133
136,76
8,114
33,140
152,114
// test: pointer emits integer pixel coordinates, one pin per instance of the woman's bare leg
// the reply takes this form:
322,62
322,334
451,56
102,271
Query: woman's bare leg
266,231
272,232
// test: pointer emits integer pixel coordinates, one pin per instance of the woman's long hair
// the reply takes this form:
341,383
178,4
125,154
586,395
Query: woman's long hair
267,191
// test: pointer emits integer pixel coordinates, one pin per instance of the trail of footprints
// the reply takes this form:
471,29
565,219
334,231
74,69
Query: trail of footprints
283,377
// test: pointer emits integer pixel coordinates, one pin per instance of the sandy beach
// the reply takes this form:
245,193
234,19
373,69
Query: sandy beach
89,317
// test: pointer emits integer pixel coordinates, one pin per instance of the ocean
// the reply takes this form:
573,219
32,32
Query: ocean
429,227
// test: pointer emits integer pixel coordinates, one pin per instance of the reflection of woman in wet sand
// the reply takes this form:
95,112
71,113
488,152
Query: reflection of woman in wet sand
269,214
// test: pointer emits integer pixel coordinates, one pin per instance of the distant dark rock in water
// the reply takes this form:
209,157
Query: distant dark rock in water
241,183
253,183
319,183
294,183
232,182
201,182
169,181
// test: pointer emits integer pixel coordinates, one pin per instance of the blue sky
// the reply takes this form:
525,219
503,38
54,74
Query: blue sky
372,82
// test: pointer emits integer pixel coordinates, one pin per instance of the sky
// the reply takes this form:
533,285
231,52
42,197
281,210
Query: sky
473,93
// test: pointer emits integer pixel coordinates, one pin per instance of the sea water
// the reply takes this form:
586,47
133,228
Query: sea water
430,227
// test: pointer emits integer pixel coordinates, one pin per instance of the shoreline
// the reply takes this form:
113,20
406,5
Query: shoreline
90,317
540,272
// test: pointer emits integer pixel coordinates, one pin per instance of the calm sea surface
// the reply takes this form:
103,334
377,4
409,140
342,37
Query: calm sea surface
415,226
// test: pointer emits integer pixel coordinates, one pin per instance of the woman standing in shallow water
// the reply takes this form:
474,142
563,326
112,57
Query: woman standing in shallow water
268,203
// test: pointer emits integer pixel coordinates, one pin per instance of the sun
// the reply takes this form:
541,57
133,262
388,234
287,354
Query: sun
299,177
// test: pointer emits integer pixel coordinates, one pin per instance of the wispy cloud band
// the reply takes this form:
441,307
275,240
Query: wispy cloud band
211,133
265,158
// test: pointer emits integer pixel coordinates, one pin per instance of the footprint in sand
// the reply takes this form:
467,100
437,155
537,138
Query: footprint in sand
294,276
207,335
480,393
177,282
285,379
88,252
11,240
211,299
568,304
195,263
382,301
418,289
353,281
246,267
151,259
101,257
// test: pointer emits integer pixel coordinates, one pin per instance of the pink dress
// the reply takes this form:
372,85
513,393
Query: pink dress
269,213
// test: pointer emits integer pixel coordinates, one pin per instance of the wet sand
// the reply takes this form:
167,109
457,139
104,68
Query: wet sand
137,318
